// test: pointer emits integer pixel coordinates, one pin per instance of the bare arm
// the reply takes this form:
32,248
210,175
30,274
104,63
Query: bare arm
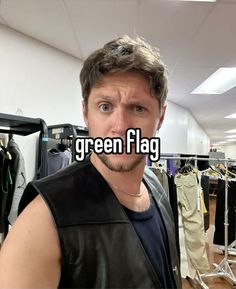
30,256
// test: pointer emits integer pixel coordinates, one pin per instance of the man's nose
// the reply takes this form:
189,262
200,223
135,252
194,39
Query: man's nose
120,122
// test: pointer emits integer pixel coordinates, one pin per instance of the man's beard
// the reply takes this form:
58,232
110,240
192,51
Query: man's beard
121,167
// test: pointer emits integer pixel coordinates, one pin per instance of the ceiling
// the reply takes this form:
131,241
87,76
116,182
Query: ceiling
194,38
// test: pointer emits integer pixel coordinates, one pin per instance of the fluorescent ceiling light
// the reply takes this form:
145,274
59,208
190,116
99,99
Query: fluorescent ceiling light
231,131
233,115
219,82
232,135
229,140
5,127
222,142
199,0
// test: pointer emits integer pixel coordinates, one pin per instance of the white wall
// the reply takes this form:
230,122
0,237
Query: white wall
40,80
180,132
44,82
229,150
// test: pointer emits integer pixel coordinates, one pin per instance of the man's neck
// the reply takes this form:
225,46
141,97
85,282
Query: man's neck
129,181
127,186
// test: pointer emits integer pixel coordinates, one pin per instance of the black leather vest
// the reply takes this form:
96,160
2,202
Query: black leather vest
99,247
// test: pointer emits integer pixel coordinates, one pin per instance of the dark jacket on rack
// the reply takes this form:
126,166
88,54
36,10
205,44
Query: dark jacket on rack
99,246
5,186
219,235
19,180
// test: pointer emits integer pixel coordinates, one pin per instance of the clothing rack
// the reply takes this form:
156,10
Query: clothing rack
67,130
223,269
20,125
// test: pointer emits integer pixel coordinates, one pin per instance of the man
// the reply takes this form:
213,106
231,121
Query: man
103,222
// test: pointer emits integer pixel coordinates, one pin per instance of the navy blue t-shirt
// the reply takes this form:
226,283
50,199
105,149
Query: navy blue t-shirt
150,229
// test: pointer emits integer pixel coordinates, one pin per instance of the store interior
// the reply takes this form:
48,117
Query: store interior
43,44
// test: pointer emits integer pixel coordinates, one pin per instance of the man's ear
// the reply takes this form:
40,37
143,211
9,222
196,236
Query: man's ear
85,113
163,111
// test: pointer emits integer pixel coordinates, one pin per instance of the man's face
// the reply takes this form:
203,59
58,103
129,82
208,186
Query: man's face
122,101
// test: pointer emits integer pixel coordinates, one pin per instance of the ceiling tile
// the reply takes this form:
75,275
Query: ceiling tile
96,22
45,20
215,42
171,26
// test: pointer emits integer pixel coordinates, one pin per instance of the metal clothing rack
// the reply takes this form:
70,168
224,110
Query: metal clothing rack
223,269
20,125
67,130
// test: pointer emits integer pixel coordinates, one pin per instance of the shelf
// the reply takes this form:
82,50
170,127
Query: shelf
60,131
21,125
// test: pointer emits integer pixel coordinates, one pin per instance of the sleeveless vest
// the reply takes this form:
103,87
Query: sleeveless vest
99,247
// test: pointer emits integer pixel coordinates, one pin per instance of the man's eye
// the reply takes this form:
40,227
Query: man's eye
104,107
139,108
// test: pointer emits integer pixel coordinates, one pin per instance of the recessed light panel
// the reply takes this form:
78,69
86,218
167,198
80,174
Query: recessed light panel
230,136
199,0
231,116
231,131
219,82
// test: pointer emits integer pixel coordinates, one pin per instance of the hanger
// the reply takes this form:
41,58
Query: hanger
226,171
54,151
10,136
211,169
187,168
8,155
61,147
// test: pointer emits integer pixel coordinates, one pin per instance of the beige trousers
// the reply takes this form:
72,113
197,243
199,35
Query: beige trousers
189,202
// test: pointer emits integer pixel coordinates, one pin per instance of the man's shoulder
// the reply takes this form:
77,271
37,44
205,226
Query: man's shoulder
57,186
34,227
77,195
23,253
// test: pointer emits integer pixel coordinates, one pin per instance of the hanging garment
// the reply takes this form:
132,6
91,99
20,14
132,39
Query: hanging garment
189,202
220,212
56,161
205,187
5,183
18,174
3,190
174,206
169,187
186,269
68,153
162,177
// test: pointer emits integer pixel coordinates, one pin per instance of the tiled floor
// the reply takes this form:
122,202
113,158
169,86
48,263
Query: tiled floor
214,257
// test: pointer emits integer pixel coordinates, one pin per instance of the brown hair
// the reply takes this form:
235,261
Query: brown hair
125,54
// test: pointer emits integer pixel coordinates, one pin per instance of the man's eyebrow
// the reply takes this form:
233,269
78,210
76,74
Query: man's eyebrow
103,97
136,102
131,102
